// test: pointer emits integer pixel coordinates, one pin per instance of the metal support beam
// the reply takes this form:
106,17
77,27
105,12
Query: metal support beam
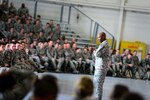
35,9
83,13
121,17
91,28
95,33
61,13
113,42
69,15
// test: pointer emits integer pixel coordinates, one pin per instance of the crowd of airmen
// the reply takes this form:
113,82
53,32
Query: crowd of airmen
46,56
31,46
64,56
128,63
27,42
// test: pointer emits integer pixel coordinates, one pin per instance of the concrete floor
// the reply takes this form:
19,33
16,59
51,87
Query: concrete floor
67,83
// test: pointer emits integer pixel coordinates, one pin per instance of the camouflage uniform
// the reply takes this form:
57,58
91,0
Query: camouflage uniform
7,58
4,16
18,27
42,55
22,55
56,35
79,61
8,26
137,66
33,56
117,65
51,54
13,35
1,59
21,61
12,10
24,82
28,28
146,67
70,58
127,61
2,25
102,58
10,58
52,26
60,58
135,61
37,29
47,32
15,57
41,39
88,60
23,11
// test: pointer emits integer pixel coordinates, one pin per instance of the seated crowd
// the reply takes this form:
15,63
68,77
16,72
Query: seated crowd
129,64
28,45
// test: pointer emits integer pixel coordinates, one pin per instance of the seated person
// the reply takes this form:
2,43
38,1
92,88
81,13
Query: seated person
117,64
51,54
87,57
15,85
118,91
59,57
128,64
46,88
37,28
79,60
42,55
146,65
23,10
84,89
70,58
132,96
136,64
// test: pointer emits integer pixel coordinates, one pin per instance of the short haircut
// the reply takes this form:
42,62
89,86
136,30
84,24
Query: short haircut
118,91
103,33
7,81
134,51
84,87
39,16
46,86
132,96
